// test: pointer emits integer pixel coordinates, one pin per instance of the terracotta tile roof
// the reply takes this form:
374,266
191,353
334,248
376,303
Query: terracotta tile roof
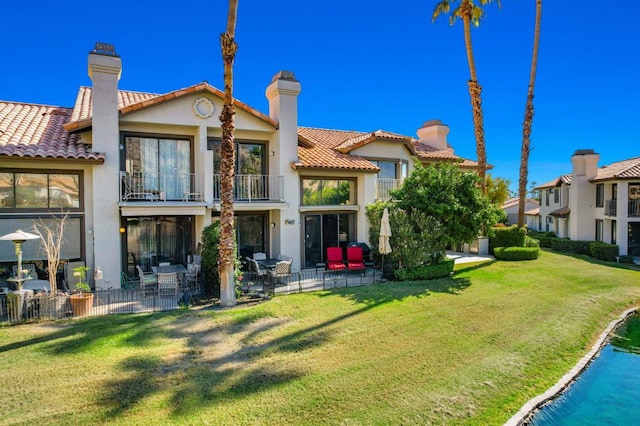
561,212
626,169
533,212
328,149
36,131
318,151
132,101
566,179
514,202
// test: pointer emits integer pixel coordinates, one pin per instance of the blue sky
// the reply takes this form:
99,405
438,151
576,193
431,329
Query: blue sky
362,65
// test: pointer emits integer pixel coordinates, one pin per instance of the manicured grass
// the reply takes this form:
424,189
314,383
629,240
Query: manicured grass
470,349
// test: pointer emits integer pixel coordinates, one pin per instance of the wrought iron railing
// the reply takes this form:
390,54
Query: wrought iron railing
384,185
253,188
155,186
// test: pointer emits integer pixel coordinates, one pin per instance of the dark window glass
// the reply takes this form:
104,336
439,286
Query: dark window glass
599,195
7,198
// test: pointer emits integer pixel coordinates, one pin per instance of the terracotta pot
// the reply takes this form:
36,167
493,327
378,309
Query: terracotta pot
81,304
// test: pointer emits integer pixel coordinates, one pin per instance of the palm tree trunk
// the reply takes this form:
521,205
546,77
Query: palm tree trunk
476,101
227,163
528,120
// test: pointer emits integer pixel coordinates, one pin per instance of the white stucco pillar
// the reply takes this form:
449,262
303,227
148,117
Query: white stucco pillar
622,217
282,94
105,68
583,193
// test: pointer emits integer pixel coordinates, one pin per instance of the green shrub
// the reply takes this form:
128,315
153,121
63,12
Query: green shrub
516,253
626,259
564,245
550,234
603,251
531,242
507,237
546,241
425,272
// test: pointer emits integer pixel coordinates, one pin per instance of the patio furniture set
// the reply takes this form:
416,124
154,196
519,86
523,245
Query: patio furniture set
167,279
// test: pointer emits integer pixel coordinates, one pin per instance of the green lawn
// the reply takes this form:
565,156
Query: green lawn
470,349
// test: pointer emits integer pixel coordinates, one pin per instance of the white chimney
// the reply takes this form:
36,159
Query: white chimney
105,68
582,201
434,134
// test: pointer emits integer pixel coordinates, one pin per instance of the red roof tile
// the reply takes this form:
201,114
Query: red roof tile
331,147
626,169
36,131
129,101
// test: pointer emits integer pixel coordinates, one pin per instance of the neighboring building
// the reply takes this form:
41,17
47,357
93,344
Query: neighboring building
531,212
139,173
595,204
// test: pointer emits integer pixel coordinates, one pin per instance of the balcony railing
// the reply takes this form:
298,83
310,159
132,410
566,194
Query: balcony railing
253,188
384,185
634,208
155,186
611,207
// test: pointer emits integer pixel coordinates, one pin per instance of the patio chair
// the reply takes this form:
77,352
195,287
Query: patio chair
355,259
191,278
281,271
148,281
259,271
168,284
127,282
334,259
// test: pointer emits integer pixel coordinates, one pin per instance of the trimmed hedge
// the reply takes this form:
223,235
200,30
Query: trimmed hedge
626,259
569,246
516,253
546,241
531,242
507,237
425,272
603,251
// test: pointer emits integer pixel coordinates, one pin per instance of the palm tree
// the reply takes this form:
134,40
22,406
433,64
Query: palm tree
528,120
226,250
470,11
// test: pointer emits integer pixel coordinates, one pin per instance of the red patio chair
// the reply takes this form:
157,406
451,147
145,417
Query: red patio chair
355,259
334,259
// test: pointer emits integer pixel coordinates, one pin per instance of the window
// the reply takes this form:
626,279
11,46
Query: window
328,192
599,229
251,232
42,190
547,197
600,195
249,157
159,165
614,191
614,232
388,169
556,196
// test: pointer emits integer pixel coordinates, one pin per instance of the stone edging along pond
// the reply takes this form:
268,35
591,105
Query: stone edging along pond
533,404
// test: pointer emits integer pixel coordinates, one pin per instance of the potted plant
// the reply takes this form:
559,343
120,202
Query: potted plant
82,300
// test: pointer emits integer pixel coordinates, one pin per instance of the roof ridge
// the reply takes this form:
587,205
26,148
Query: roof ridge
333,130
35,104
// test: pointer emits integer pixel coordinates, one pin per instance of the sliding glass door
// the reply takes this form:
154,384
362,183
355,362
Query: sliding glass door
322,230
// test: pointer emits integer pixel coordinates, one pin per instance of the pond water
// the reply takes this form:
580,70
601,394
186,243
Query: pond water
608,391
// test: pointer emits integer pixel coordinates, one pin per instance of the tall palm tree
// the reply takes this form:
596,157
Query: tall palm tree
226,262
470,11
528,119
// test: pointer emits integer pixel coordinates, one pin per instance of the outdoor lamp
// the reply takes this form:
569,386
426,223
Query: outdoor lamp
18,237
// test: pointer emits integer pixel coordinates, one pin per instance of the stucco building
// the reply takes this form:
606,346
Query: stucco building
139,173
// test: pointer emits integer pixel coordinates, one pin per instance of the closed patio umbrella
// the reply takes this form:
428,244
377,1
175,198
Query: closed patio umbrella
384,246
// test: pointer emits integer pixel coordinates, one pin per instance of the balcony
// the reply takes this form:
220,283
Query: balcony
253,188
611,208
384,185
634,208
155,186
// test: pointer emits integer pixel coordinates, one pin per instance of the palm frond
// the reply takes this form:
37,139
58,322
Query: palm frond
441,8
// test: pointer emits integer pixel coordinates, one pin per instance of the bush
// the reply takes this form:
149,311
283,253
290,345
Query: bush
603,251
425,272
569,246
507,237
516,253
550,234
531,242
626,259
546,241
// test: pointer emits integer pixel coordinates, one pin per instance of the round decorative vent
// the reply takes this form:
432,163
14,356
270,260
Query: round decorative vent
203,108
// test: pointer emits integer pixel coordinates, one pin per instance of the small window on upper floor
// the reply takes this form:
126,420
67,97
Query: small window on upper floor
41,190
328,192
556,196
600,195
